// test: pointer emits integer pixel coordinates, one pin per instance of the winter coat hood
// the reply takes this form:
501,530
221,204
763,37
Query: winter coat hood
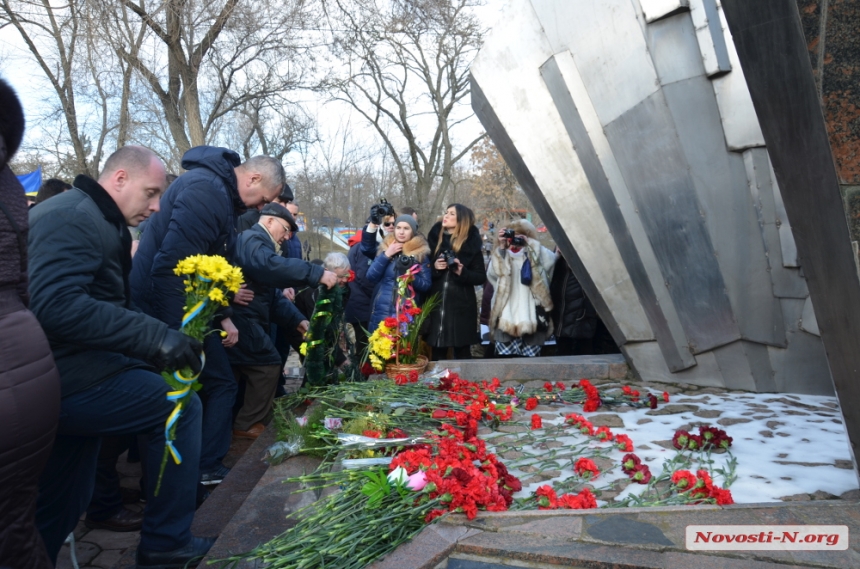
222,162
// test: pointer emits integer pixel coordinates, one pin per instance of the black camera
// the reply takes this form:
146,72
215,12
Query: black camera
404,262
381,210
448,256
516,240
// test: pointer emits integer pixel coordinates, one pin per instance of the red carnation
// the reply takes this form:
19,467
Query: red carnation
683,480
390,322
583,501
548,387
681,439
584,465
547,498
604,434
351,276
723,497
439,414
531,403
629,463
665,396
537,422
652,401
559,385
510,391
641,474
413,376
400,379
372,434
624,443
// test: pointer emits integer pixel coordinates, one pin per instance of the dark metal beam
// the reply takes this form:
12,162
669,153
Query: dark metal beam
775,59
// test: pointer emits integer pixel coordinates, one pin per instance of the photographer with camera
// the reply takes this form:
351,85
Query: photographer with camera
399,252
520,270
457,269
380,223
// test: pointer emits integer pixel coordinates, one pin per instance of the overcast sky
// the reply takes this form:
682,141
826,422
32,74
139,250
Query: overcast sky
19,68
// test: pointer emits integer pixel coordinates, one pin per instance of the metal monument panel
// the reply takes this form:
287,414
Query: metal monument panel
639,113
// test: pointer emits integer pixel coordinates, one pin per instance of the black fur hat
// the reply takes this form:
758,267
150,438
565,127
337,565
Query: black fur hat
11,123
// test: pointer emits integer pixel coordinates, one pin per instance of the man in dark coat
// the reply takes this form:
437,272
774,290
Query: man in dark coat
198,217
80,258
255,356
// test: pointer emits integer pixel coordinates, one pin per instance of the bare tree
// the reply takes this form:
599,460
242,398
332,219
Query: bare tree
406,72
220,55
51,33
493,184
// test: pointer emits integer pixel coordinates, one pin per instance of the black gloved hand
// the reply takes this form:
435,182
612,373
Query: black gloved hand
178,351
375,217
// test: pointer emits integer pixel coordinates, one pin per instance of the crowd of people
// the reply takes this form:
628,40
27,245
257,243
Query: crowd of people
91,310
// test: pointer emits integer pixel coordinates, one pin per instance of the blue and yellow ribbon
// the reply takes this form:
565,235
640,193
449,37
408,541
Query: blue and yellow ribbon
178,395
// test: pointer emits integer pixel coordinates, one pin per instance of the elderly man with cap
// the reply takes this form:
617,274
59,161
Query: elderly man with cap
255,356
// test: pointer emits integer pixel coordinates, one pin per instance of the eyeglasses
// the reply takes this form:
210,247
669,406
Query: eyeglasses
388,223
286,228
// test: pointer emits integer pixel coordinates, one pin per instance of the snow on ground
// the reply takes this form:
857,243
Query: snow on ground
784,444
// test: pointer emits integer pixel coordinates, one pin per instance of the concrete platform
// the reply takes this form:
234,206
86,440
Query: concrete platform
600,539
554,368
631,537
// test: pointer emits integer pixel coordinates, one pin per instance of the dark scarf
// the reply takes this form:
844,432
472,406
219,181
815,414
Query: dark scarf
113,215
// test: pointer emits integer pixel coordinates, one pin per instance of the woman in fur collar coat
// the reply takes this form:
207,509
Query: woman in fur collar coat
399,251
455,323
515,322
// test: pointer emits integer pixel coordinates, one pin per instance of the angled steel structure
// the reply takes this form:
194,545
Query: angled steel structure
630,125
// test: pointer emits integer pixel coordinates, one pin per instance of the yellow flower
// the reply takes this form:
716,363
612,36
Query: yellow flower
217,296
303,349
223,334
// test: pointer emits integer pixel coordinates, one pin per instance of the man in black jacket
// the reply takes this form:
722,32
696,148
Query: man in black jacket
255,356
80,258
198,216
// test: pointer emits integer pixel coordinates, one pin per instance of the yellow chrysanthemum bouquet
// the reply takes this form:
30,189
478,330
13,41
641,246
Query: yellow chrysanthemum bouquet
208,281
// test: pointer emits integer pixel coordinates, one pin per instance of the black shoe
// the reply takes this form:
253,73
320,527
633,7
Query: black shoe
123,520
189,555
215,476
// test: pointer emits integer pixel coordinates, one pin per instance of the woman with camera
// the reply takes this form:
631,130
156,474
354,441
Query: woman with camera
458,268
399,251
521,271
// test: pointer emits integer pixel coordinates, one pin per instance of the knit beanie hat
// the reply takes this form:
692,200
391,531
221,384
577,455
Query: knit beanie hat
407,219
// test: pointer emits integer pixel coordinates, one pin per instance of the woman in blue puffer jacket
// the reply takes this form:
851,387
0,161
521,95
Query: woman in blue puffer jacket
399,251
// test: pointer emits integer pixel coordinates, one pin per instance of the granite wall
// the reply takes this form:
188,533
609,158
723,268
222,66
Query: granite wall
830,27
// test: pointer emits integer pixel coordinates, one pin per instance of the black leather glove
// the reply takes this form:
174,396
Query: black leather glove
375,218
178,351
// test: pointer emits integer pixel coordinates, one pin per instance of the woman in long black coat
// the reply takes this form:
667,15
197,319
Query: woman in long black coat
454,323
